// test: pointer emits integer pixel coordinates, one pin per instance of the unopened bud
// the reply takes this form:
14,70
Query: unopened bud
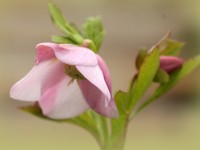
86,43
170,63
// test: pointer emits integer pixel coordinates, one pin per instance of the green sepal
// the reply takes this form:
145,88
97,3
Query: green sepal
93,30
161,76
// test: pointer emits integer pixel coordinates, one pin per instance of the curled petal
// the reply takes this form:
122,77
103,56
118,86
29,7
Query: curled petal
45,51
40,78
96,99
75,55
64,100
105,72
95,76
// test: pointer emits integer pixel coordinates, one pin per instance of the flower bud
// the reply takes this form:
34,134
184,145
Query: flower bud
170,63
86,43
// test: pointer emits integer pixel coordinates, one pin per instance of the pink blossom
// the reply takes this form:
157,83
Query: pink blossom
67,80
170,63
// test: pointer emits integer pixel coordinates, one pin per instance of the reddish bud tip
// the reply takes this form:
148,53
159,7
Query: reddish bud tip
170,63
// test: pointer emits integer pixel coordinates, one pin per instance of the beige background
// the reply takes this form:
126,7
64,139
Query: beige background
170,124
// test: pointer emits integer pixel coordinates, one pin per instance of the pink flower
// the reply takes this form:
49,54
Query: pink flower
67,80
170,63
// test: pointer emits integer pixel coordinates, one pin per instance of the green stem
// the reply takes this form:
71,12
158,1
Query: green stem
107,142
119,142
105,134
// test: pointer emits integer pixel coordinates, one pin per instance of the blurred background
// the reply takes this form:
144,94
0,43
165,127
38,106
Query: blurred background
171,123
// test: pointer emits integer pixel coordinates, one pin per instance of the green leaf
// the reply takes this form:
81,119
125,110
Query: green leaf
119,125
75,28
145,77
61,39
140,57
66,27
93,30
86,120
169,47
120,100
186,69
58,18
172,48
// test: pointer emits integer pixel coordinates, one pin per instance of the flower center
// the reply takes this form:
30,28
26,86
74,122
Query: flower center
73,72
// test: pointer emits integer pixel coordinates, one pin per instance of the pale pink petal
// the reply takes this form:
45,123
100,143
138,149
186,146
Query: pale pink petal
45,51
64,100
106,72
95,76
75,55
40,78
96,99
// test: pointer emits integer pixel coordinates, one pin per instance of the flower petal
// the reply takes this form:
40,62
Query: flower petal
105,72
96,99
40,78
64,100
75,55
45,51
95,76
